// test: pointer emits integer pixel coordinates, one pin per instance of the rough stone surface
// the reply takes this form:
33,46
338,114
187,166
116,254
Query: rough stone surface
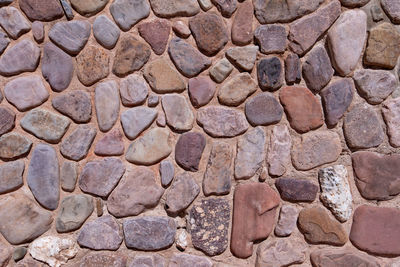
175,8
163,78
292,69
74,210
391,113
201,90
178,112
271,38
270,73
110,144
90,7
4,41
181,29
105,32
11,176
221,70
156,33
278,158
68,175
392,9
167,172
226,7
41,10
263,109
135,120
78,32
149,260
103,259
189,149
243,58
242,25
76,146
7,120
133,90
18,253
183,259
280,253
235,91
297,190
341,257
14,145
5,254
67,9
127,13
13,22
287,220
107,104
92,65
75,104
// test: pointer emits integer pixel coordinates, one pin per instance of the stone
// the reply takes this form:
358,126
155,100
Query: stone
375,85
11,176
220,121
105,31
103,233
181,29
127,13
201,90
88,8
269,11
376,13
74,210
243,58
188,60
92,65
392,9
335,191
38,31
235,91
271,38
100,177
263,109
4,41
242,25
41,10
181,239
13,22
354,3
150,148
111,144
382,51
133,90
67,9
174,8
76,146
189,149
178,112
149,260
280,253
75,104
13,145
149,233
303,110
209,225
28,262
7,120
26,92
205,4
250,153
21,219
78,32
391,113
181,194
153,100
318,227
362,127
19,253
293,69
183,259
99,207
317,69
305,31
278,157
5,2
217,178
156,34
254,209
21,57
270,73
137,192
287,220
167,172
340,257
345,47
111,259
68,175
57,67
221,70
131,55
336,99
297,190
107,104
135,120
163,78
226,7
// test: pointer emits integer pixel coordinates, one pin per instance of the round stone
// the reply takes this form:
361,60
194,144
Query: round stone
263,109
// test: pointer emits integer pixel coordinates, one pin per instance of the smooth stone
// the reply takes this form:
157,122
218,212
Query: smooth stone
391,114
287,220
43,10
181,29
127,13
111,259
201,90
75,104
181,240
278,157
133,90
167,172
354,3
271,38
392,9
135,120
99,207
13,22
76,146
189,149
156,34
4,41
11,176
205,4
106,32
263,109
227,8
235,91
292,69
184,259
68,175
5,2
67,9
38,31
107,104
178,112
111,144
296,190
89,7
270,73
221,70
74,210
13,145
341,257
152,260
78,32
377,13
92,65
7,120
242,25
153,100
100,177
174,8
243,58
18,253
280,253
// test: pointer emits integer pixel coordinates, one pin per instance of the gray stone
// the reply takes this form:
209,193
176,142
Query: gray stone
107,104
76,146
161,120
105,32
78,32
183,259
287,220
133,90
153,100
154,260
392,9
270,73
278,158
281,253
7,120
175,8
271,38
67,9
111,144
19,253
11,176
13,22
221,70
38,31
74,210
205,4
317,68
14,145
75,104
235,91
135,120
243,58
68,175
178,112
377,13
127,13
4,41
90,7
263,109
167,172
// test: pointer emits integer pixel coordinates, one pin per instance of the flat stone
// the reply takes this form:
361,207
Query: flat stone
377,13
278,157
226,7
382,50
127,13
105,31
306,31
134,90
149,233
173,8
263,109
4,41
78,32
7,120
236,90
75,104
209,225
297,190
271,38
181,29
392,9
13,22
250,153
68,175
319,227
13,145
38,31
28,262
137,192
153,100
150,148
302,108
292,69
92,65
18,253
11,176
167,172
188,60
74,210
181,194
189,149
135,120
220,121
178,112
221,70
43,10
156,34
111,144
340,257
243,58
201,90
280,253
152,260
391,114
270,73
67,9
100,177
21,57
254,209
76,146
362,127
183,259
103,233
242,25
110,259
287,220
5,254
88,8
107,104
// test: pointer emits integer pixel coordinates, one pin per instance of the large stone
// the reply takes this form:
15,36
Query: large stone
263,109
92,65
183,259
167,172
11,176
175,8
43,10
76,105
111,259
178,112
221,70
392,9
149,233
391,114
76,146
254,209
236,90
127,13
107,104
303,110
342,257
14,145
7,120
297,190
220,121
100,177
68,175
78,32
270,73
201,90
135,120
74,210
280,253
243,58
287,220
156,34
292,69
278,158
362,127
242,25
106,32
163,78
13,22
271,38
137,192
189,149
134,90
89,7
111,144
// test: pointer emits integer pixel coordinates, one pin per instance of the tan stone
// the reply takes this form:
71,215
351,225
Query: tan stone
163,78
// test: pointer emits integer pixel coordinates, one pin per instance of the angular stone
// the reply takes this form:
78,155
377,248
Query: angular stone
68,175
391,114
149,233
92,65
76,146
21,57
105,31
150,148
111,144
319,227
78,33
201,90
278,158
90,7
220,121
280,253
57,67
127,13
67,9
221,70
4,41
100,177
189,149
110,259
297,190
362,127
133,90
392,9
74,210
175,8
307,30
14,145
11,176
341,257
7,120
235,91
263,109
336,99
183,191
137,192
181,29
135,120
156,34
287,220
107,104
242,25
75,104
255,206
270,73
167,172
243,58
188,60
178,112
131,55
293,69
271,38
43,10
183,259
13,22
226,7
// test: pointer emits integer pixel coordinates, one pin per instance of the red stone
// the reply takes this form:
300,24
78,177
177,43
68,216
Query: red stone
156,33
242,26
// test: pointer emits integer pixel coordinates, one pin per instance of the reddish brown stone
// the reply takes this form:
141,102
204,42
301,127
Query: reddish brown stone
226,7
201,90
254,212
7,120
156,33
297,190
44,10
188,150
293,69
242,26
110,145
341,257
92,65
